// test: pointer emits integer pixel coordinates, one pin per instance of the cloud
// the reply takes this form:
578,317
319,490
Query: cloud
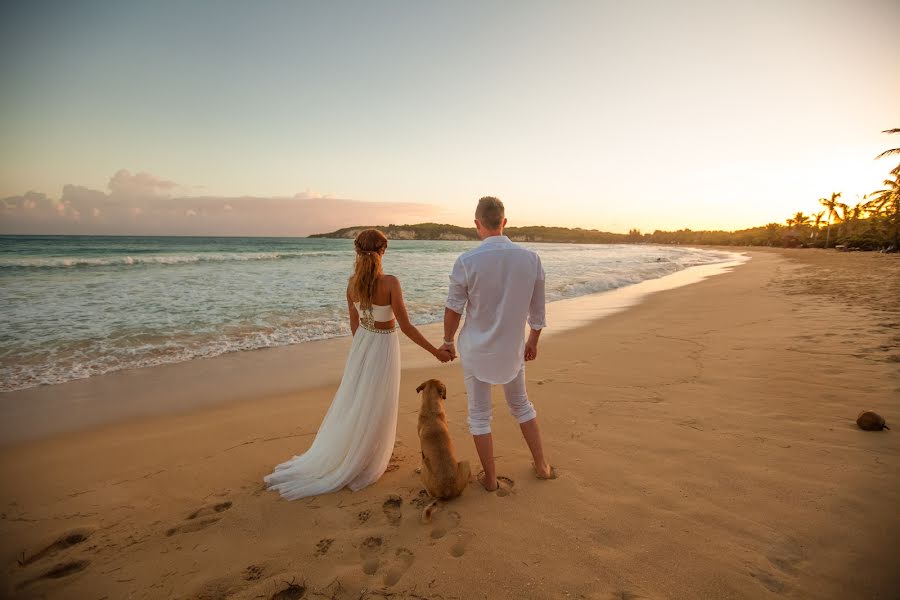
309,195
139,185
144,204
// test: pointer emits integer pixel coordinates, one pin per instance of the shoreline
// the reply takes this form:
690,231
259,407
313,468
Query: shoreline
705,441
189,386
131,325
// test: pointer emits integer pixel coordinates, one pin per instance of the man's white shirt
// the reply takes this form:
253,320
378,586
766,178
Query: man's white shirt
499,285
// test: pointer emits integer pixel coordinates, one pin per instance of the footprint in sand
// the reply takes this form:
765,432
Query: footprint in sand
363,516
323,546
461,544
625,595
191,527
210,509
58,572
421,500
253,572
196,523
445,522
770,582
392,508
370,550
67,540
786,557
291,591
505,486
394,463
403,559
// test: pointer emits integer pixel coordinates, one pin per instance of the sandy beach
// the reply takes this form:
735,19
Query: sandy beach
705,441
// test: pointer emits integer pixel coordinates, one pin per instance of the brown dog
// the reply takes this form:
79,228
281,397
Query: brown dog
444,478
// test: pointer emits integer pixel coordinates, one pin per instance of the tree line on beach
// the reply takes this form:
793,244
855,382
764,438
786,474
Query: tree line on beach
871,223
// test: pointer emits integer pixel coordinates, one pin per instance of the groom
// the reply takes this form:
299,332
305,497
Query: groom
499,284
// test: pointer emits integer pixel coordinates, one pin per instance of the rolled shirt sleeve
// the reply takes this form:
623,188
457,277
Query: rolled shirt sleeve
458,295
537,316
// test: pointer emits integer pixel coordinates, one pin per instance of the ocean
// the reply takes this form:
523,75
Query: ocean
81,306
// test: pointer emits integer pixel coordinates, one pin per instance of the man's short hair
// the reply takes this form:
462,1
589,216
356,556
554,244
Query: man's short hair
490,212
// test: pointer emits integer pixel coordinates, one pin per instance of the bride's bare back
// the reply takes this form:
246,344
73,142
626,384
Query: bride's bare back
389,293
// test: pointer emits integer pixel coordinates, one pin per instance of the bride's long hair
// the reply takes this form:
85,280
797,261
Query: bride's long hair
370,245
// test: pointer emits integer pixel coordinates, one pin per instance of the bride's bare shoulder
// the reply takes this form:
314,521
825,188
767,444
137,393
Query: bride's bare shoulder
389,283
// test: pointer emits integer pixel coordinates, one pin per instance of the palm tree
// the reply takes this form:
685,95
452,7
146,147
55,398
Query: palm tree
843,216
817,222
800,219
817,218
830,206
887,200
856,212
896,170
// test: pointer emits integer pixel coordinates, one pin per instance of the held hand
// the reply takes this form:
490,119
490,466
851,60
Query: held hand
449,348
530,350
444,355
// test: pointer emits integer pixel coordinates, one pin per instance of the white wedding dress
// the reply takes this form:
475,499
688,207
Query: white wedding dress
354,443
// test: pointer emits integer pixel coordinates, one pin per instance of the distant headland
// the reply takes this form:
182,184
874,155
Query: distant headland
439,231
800,232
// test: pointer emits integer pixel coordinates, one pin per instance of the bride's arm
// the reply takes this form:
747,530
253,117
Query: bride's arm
354,315
408,329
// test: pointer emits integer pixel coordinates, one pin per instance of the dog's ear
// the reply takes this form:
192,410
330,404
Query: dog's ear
443,391
421,387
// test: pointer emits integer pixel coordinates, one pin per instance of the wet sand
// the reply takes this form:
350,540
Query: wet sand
705,441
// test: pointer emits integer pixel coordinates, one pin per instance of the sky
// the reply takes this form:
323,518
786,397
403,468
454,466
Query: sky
289,118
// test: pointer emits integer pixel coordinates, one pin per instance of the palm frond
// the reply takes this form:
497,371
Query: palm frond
891,131
890,152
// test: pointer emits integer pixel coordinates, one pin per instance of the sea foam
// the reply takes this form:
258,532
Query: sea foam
78,307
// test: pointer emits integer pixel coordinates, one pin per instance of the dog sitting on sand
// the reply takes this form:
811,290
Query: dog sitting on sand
444,478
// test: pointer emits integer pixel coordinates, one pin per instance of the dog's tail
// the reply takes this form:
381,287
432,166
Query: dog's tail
429,511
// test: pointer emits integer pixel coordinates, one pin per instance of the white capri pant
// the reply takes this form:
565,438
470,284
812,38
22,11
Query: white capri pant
479,394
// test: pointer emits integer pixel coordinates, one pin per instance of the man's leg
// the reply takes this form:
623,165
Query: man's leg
533,438
523,410
484,444
479,394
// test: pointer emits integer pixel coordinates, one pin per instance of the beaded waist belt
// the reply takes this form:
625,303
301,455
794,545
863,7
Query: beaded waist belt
375,330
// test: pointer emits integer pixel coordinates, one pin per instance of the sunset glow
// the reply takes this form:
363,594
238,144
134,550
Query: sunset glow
310,117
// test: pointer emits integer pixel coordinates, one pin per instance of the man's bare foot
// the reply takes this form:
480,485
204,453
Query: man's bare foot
491,486
545,472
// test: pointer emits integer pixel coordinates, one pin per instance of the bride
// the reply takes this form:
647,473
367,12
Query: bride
355,441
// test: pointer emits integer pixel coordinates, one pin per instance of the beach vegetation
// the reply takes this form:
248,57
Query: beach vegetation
872,223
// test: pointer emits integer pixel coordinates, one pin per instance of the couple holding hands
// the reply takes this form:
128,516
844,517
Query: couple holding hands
499,286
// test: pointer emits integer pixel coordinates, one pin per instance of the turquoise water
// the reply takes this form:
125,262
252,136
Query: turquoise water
79,306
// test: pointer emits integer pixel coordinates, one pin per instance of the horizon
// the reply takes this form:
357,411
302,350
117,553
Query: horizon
377,226
651,117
